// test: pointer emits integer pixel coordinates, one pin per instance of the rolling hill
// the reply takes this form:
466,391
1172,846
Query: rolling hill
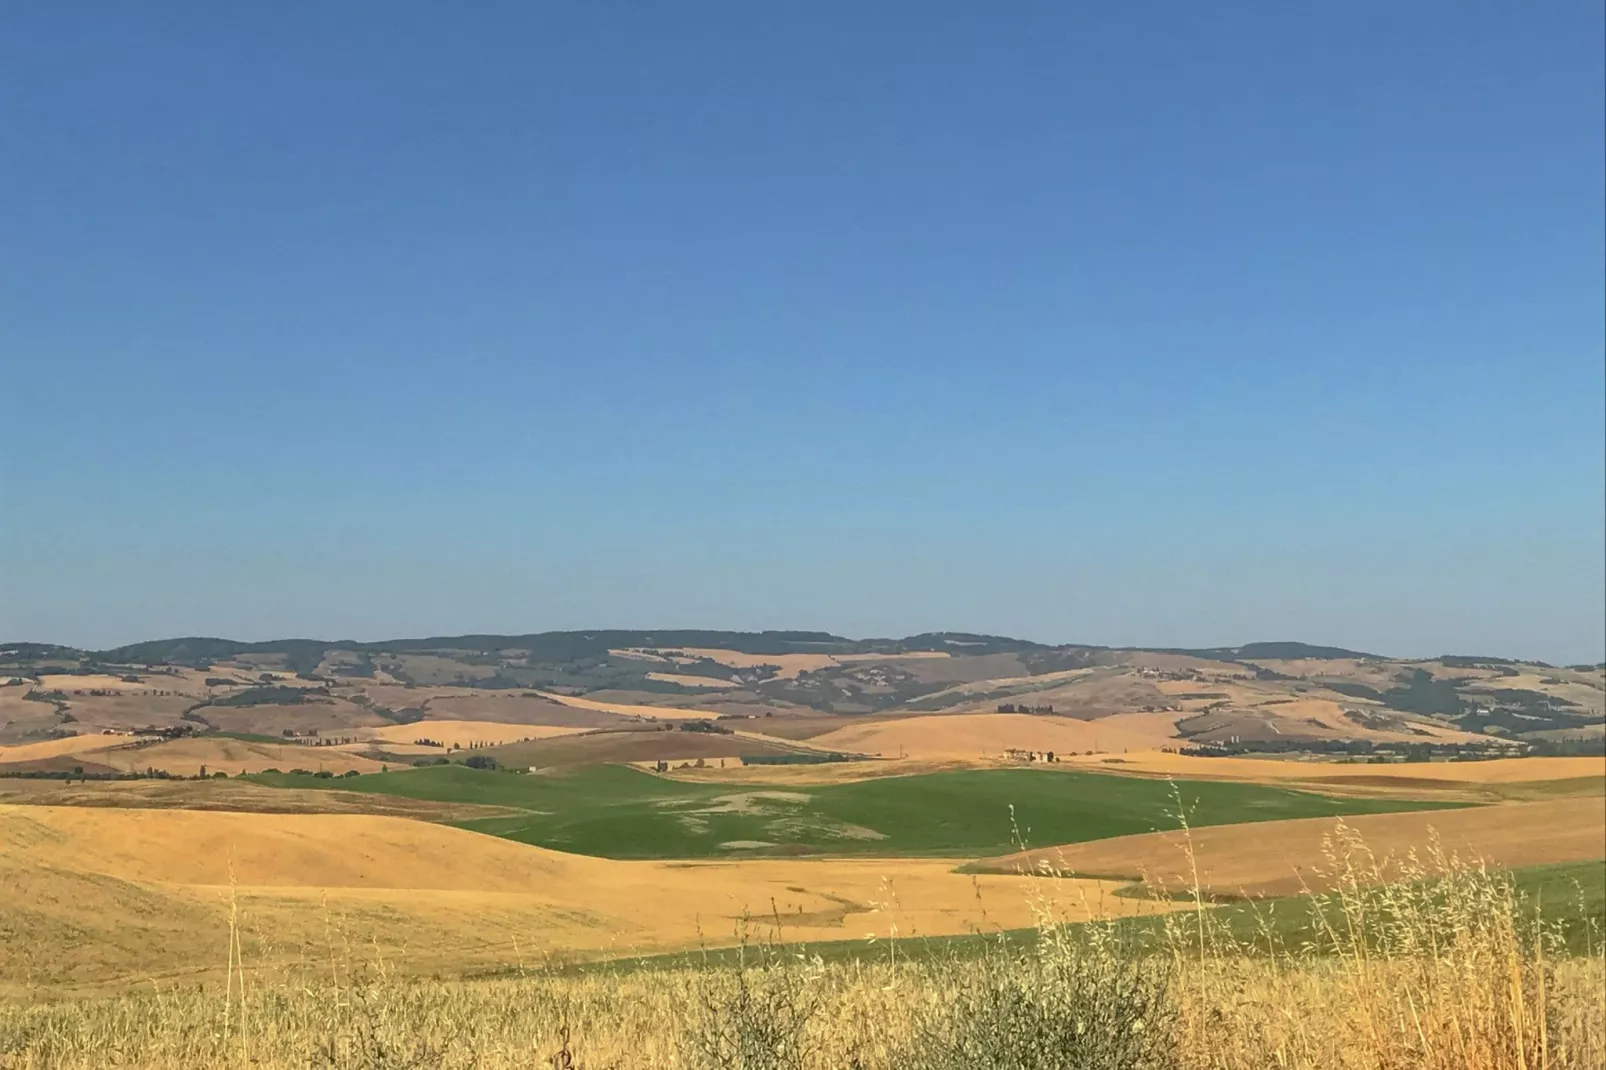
1277,696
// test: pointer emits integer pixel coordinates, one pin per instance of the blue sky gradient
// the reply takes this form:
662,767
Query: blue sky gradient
1166,324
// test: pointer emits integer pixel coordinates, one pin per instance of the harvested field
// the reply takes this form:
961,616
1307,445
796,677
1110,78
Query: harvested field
468,733
790,665
822,772
72,682
810,725
1494,771
1285,857
50,748
652,712
240,796
110,897
128,710
1588,696
979,736
337,718
1377,674
1160,727
223,755
22,720
685,680
642,744
510,707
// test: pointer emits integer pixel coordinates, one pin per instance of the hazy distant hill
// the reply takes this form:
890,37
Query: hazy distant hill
1274,694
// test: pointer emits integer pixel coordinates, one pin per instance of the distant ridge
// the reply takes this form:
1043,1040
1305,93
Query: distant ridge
1283,651
568,645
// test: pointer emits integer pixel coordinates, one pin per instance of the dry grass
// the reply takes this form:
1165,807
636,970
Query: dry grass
981,735
629,708
70,683
1444,971
186,756
240,796
468,733
51,748
1275,858
823,773
788,666
1271,770
100,897
685,680
233,756
336,716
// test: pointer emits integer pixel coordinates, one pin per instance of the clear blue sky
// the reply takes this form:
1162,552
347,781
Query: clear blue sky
1174,324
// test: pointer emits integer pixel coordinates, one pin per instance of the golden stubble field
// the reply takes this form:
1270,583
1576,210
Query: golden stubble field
97,898
1338,775
185,756
1485,780
1279,858
788,666
984,735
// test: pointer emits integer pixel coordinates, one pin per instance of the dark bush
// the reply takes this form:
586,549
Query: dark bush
1069,1005
754,1016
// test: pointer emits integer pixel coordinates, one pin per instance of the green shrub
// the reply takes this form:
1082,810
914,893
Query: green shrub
754,1015
1067,1005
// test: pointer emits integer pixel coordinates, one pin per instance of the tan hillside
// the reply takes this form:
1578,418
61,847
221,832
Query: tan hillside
651,712
467,733
233,756
51,748
233,794
1284,857
982,736
111,897
685,680
1495,771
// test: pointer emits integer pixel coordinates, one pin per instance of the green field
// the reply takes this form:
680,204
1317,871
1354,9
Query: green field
619,812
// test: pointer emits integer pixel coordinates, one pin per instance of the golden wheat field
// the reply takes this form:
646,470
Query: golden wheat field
685,680
186,756
1455,976
1279,858
466,733
234,795
787,666
1265,770
66,745
981,736
109,895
